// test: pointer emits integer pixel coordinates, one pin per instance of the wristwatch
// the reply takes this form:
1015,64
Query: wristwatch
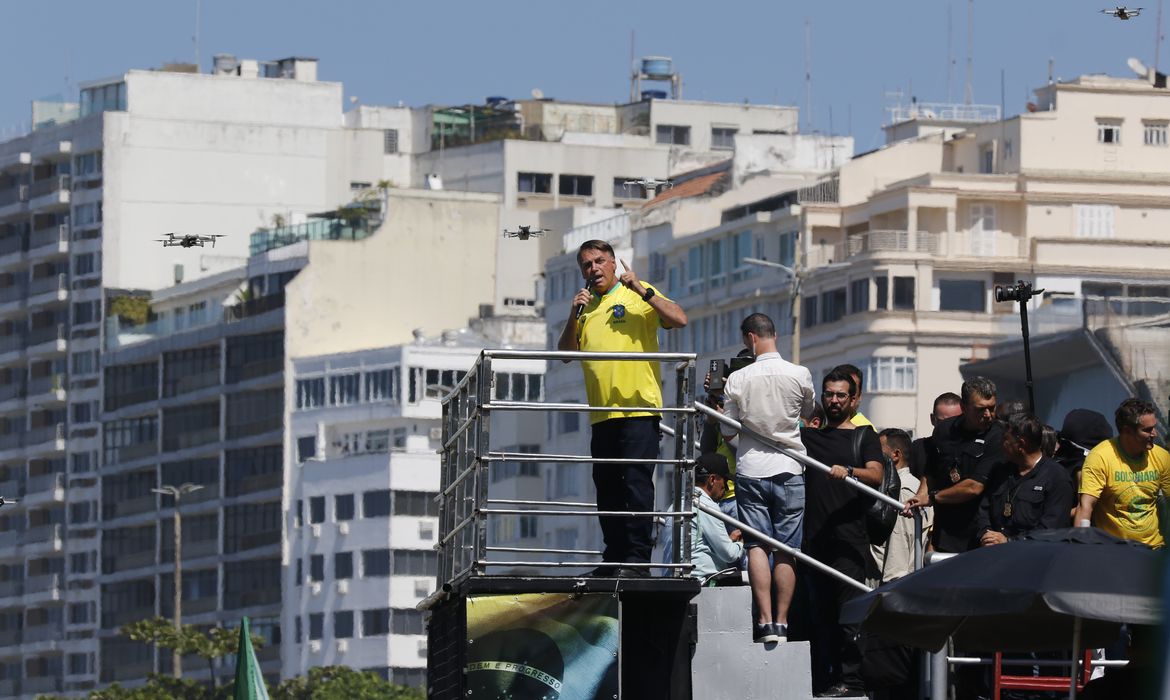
849,472
930,495
649,294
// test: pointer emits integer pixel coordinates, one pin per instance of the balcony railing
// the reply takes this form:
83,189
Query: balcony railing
130,506
190,438
49,185
16,341
253,370
137,451
13,195
315,230
10,538
53,235
890,240
51,283
13,292
10,588
8,638
45,583
191,382
45,482
46,334
46,385
43,434
253,307
9,392
128,562
42,684
44,533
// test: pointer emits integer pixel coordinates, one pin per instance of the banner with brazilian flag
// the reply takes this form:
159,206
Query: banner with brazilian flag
249,680
553,646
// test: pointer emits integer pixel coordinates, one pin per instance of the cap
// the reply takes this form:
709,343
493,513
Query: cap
711,463
1086,428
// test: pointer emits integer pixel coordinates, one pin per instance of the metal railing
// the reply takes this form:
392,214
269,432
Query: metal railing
467,458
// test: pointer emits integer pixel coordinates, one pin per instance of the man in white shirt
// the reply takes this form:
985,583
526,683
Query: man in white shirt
769,397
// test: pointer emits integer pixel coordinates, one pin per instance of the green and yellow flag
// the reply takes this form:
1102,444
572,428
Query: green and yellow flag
249,680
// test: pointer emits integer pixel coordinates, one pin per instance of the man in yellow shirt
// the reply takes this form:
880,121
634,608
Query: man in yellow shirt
1123,476
620,314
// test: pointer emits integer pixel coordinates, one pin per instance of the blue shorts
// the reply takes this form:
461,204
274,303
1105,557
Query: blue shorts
773,505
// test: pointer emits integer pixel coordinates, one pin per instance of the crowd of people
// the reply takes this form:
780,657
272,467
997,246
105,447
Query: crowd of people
989,472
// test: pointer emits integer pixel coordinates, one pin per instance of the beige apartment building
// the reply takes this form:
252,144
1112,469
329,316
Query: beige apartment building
900,249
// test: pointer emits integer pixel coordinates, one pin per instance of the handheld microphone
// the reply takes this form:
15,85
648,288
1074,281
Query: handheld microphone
579,308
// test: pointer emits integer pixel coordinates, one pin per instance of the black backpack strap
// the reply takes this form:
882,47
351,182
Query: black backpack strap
858,438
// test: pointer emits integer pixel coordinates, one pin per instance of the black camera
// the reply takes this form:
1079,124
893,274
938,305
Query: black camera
1020,291
722,369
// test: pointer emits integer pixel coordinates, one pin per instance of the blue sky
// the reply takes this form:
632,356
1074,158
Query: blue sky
460,51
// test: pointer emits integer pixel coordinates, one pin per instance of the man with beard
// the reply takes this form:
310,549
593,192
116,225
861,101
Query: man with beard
966,449
835,534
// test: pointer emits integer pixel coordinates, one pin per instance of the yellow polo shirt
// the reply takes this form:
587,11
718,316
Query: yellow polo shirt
860,421
1126,490
619,321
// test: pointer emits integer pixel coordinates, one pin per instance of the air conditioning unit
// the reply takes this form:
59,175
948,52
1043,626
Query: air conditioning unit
316,530
436,433
343,528
423,586
342,645
343,586
315,646
422,647
316,588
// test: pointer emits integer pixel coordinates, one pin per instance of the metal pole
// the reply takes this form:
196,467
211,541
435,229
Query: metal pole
1077,652
177,657
938,675
794,295
1027,355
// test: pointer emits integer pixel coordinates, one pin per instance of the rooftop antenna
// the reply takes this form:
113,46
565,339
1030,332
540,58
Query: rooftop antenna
950,55
1051,69
1158,36
807,74
633,71
968,97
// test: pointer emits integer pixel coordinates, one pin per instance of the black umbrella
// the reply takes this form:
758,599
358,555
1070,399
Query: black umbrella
1031,594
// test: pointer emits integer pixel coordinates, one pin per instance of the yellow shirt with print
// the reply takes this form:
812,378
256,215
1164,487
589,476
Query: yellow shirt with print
1126,490
619,321
860,421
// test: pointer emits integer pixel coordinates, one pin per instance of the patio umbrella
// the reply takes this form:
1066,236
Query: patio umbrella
1025,595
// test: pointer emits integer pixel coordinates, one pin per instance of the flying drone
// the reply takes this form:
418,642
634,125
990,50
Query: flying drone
189,240
525,232
1123,12
650,184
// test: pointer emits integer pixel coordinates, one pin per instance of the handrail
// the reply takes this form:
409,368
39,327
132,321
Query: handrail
802,458
776,544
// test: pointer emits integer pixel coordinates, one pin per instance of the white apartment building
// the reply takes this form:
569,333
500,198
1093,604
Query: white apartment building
361,476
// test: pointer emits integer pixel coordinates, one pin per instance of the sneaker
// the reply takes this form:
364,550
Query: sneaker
632,572
781,631
765,633
603,571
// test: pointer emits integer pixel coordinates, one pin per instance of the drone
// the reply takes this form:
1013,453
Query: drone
525,232
650,184
189,240
1123,12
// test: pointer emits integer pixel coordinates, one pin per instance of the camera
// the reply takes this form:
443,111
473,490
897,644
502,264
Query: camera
722,369
1021,292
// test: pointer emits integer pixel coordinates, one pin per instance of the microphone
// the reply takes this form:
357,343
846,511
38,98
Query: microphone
579,308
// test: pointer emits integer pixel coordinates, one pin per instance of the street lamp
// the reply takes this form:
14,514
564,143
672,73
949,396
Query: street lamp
796,276
177,492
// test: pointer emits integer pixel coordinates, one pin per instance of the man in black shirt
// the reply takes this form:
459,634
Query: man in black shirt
835,534
966,448
946,405
1028,491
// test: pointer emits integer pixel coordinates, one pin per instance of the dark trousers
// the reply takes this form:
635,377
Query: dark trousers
836,655
628,487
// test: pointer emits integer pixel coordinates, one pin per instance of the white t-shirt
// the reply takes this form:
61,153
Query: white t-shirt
769,397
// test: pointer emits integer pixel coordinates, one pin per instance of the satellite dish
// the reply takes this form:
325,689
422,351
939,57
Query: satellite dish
537,94
1138,67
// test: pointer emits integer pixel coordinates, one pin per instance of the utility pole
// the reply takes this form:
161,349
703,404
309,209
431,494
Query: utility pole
796,277
177,492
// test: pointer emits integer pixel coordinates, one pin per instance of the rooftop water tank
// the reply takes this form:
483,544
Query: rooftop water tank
658,67
224,64
654,94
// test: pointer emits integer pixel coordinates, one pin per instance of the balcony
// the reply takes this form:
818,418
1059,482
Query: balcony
9,638
41,589
140,450
10,539
130,506
12,251
190,438
45,488
50,438
11,347
49,192
45,290
46,242
12,396
191,382
13,293
42,684
128,562
955,245
47,389
13,200
191,550
10,588
253,307
129,671
43,533
47,339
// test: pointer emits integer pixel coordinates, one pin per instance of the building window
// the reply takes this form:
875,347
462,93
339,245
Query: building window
343,507
1154,133
376,622
891,374
1109,131
375,562
810,311
962,295
1093,220
537,183
389,140
376,504
407,621
419,503
343,565
306,448
671,135
317,509
569,422
833,304
409,677
576,185
715,263
299,629
881,292
415,562
317,567
987,159
344,390
316,625
859,296
696,280
343,624
904,293
723,138
382,385
311,393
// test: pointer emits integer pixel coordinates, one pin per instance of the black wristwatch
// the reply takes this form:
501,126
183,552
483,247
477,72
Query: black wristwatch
930,495
849,472
649,294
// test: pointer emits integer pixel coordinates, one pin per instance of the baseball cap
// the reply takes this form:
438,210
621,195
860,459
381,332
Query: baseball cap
711,463
1085,428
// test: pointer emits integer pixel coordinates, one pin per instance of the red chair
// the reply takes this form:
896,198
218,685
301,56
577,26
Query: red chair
1058,683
